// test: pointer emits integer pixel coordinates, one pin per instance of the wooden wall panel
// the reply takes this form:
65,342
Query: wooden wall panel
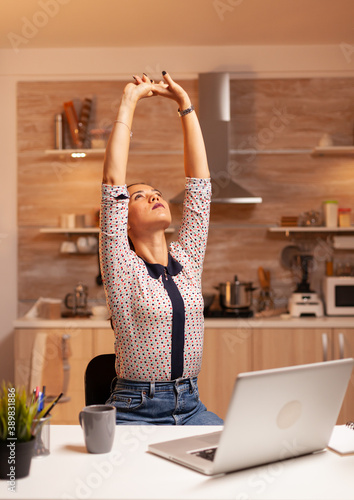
265,115
308,107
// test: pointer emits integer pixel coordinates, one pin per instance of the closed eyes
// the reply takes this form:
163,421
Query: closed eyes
142,194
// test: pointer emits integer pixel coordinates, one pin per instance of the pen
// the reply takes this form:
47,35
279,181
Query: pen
43,396
41,399
52,405
40,402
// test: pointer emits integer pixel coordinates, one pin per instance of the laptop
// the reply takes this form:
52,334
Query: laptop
273,415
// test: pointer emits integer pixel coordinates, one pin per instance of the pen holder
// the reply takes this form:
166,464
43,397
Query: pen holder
42,437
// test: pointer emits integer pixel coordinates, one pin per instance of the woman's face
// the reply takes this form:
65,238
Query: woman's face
147,209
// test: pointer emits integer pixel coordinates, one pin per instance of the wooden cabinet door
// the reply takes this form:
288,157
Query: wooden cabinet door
79,352
275,348
343,343
103,341
23,348
56,358
227,352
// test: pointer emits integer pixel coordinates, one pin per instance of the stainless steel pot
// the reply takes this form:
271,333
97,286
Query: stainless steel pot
236,294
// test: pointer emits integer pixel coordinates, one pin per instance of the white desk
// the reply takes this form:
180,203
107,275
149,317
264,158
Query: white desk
129,472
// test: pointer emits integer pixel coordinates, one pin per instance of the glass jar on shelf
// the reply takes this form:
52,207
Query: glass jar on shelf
344,217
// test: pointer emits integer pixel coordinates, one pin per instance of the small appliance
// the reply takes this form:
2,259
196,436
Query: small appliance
304,301
76,303
338,294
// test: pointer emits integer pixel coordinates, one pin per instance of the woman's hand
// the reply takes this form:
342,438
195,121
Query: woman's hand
142,87
170,89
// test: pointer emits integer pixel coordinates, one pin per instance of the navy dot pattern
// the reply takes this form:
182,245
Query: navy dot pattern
139,305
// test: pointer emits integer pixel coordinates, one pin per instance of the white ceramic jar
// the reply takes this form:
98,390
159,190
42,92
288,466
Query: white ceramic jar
330,213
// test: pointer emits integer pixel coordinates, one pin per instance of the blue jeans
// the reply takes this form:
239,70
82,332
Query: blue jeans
160,403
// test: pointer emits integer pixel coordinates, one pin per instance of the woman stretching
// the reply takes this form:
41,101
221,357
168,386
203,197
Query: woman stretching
154,292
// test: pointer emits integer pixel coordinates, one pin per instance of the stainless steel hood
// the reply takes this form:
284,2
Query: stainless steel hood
214,117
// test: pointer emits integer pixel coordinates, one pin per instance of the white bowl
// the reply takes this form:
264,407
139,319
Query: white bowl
68,247
100,312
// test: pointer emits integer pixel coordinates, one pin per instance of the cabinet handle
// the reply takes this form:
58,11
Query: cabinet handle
66,353
325,346
341,345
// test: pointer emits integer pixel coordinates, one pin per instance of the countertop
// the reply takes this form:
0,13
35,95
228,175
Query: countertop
130,472
272,322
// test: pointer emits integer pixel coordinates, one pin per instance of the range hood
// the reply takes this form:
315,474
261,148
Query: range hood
214,117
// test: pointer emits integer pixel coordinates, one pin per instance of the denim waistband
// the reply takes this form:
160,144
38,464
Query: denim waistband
152,387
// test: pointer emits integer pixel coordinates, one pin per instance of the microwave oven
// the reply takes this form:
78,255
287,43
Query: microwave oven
338,294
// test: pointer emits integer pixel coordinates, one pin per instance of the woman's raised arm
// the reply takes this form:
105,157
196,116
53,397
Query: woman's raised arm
195,158
116,155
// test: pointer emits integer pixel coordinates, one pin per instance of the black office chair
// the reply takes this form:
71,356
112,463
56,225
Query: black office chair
100,375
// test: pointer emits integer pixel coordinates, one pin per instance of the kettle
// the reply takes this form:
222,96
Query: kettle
77,301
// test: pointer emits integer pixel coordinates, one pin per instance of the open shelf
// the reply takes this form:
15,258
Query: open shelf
333,150
289,151
313,229
81,230
75,153
66,230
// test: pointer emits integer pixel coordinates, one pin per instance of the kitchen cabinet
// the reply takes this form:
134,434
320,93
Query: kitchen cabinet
343,347
103,341
293,346
56,358
227,352
230,347
230,351
277,348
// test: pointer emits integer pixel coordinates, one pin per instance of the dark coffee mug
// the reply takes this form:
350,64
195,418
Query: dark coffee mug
98,423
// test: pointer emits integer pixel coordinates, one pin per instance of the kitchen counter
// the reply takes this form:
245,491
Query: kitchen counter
279,322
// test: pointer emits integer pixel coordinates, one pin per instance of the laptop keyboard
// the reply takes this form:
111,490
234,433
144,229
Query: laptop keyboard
208,454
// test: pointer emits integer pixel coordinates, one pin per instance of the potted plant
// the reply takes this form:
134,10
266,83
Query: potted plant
18,424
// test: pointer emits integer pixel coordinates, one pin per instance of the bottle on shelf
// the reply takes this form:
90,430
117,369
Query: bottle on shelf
58,132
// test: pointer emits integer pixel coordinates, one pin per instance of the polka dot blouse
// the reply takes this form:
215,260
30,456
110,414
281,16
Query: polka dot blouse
139,304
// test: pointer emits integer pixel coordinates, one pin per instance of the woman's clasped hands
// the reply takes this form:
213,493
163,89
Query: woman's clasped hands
144,87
